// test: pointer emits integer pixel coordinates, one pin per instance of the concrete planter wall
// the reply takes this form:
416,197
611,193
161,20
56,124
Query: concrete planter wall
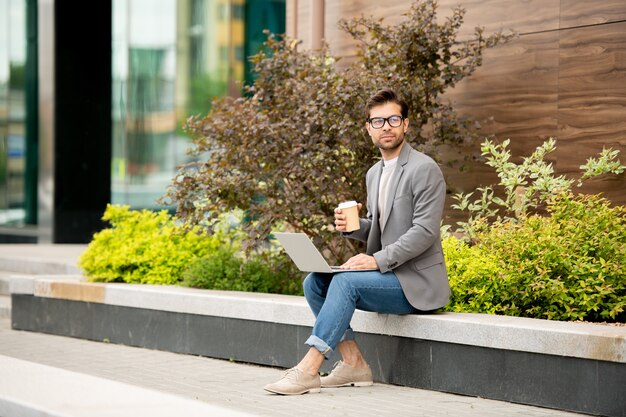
569,366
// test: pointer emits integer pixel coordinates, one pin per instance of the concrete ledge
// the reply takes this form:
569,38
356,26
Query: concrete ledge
41,258
25,284
5,306
32,390
570,366
4,285
14,283
579,340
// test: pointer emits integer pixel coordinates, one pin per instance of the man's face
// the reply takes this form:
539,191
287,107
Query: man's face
387,138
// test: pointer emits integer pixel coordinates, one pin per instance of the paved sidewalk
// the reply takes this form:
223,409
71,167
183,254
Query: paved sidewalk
238,387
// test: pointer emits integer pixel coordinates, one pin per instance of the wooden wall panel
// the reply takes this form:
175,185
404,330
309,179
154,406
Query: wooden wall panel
592,98
527,16
341,43
592,83
565,76
517,87
523,17
584,12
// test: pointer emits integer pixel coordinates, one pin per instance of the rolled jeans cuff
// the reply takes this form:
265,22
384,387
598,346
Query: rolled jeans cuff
323,347
320,345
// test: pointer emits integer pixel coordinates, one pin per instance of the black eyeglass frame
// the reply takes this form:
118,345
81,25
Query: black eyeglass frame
385,120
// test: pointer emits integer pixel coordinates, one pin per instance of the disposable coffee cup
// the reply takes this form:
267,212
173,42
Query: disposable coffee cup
350,210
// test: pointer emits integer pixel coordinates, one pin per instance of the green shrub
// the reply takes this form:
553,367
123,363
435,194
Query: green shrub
143,247
570,265
474,278
526,186
268,272
294,146
148,247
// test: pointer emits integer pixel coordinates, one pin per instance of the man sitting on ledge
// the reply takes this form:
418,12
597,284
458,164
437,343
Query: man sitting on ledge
405,200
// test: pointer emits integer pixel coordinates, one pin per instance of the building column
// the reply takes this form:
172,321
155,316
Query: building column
292,18
75,119
45,168
317,23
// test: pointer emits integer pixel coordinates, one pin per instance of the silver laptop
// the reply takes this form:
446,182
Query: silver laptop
305,255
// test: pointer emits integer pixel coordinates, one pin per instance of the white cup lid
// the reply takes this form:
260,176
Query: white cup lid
346,204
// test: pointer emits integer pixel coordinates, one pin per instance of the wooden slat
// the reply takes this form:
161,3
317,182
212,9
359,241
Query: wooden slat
612,187
341,43
523,17
592,96
584,12
565,76
517,87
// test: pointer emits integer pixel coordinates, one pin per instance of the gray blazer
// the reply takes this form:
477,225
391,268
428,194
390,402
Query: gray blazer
410,244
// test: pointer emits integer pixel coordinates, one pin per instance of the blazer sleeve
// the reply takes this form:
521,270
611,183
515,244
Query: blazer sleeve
429,192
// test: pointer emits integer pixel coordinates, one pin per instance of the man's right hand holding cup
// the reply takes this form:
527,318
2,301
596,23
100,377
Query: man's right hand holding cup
347,216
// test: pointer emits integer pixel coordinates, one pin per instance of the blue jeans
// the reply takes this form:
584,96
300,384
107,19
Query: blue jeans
334,297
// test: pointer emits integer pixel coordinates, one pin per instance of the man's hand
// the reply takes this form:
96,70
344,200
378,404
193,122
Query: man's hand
360,261
340,219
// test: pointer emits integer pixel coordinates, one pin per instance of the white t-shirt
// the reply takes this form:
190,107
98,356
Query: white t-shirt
388,168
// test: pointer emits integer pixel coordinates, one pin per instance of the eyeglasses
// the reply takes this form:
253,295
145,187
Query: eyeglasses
379,122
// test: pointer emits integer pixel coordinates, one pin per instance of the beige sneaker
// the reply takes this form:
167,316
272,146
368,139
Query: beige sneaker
295,382
344,375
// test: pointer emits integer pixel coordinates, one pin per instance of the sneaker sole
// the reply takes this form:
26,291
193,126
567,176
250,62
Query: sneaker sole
308,391
351,384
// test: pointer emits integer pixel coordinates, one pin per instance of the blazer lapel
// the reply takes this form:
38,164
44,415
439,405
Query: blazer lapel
375,188
373,239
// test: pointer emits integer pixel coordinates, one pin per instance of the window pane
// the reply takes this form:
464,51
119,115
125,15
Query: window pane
170,59
144,119
12,111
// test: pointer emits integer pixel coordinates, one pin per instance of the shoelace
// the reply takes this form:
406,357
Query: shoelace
337,364
291,373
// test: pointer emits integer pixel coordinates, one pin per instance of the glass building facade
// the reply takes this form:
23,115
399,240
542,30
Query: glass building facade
169,59
12,112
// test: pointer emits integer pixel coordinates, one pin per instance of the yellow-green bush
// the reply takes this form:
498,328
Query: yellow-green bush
474,278
148,247
570,265
144,247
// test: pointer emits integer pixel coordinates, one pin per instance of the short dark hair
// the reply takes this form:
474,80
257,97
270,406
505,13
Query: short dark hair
386,96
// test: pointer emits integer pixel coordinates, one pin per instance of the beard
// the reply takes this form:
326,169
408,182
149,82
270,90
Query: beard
390,145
